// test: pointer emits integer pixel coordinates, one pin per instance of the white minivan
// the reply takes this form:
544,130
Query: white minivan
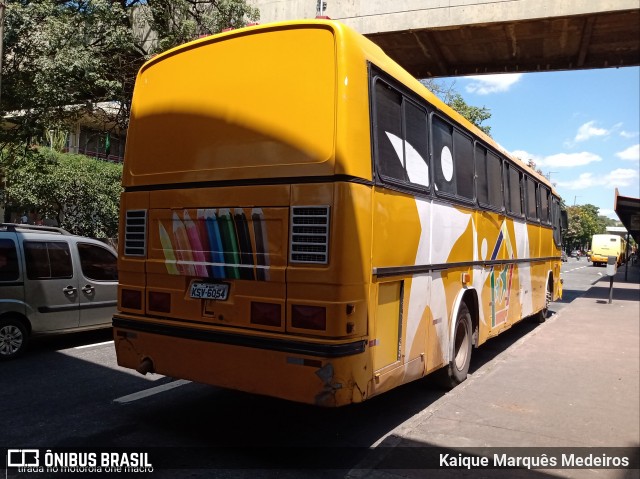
52,282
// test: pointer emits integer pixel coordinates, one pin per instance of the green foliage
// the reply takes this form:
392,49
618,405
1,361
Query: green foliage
584,222
81,193
474,114
62,58
179,21
446,92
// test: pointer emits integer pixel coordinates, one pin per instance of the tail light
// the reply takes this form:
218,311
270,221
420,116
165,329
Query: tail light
309,317
160,302
266,314
131,299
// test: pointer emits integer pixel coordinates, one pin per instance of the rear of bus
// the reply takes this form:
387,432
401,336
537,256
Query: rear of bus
605,245
245,252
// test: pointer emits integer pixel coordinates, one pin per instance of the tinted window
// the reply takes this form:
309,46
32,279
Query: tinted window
532,204
417,146
452,160
48,259
97,263
555,216
544,204
443,164
488,178
389,132
9,270
513,194
494,181
463,164
482,179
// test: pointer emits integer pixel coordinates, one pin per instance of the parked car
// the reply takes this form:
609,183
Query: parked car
564,257
52,282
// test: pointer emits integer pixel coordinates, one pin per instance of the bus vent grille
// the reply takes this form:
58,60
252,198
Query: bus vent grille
309,236
135,233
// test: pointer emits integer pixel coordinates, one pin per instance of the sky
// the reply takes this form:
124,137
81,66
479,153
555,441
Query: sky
580,127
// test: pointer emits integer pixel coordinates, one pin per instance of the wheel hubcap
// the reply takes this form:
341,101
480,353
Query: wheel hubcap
10,340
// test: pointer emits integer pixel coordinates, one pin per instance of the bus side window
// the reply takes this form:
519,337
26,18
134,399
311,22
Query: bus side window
544,204
556,221
513,194
488,178
531,195
463,165
417,145
443,165
482,179
388,132
494,180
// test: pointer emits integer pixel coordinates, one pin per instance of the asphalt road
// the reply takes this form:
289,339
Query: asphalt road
68,392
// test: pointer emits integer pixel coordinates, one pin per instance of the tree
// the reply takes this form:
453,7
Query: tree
179,21
62,58
476,115
584,222
82,194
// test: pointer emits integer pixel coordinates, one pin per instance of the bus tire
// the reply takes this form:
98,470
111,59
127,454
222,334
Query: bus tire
544,313
458,368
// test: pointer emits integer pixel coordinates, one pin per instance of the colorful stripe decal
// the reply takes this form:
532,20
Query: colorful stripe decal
260,233
167,248
244,241
215,245
218,244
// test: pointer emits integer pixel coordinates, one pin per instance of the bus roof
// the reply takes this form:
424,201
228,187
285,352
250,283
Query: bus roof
373,53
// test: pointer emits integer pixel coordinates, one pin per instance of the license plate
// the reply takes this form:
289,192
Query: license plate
217,291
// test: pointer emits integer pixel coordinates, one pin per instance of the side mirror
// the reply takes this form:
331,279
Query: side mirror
564,220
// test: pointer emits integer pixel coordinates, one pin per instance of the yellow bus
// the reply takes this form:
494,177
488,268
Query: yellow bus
301,218
605,245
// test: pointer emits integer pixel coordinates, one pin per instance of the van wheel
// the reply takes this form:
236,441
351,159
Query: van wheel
457,369
13,338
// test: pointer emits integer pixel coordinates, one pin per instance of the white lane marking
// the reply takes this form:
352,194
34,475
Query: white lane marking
576,269
151,391
94,344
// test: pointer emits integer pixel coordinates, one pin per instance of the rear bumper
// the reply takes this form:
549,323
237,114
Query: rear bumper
314,373
598,258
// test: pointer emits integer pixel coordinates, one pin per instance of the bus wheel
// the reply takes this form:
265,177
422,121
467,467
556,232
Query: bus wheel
458,367
544,314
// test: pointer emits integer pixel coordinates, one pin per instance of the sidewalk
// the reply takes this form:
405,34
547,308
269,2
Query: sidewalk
574,381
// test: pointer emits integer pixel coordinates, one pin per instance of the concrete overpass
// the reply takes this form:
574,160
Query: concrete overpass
435,38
